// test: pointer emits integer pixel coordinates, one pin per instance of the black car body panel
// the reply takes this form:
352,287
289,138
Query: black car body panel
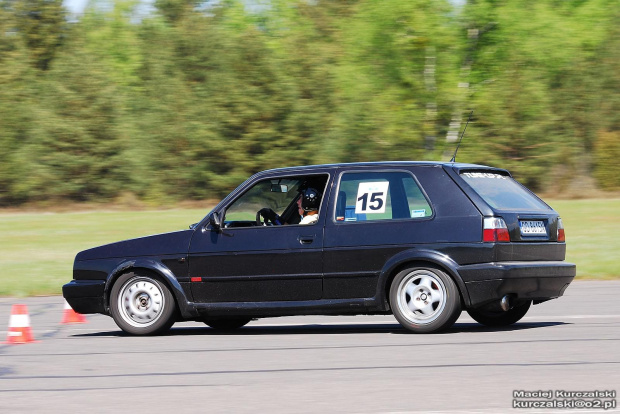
346,261
95,270
159,244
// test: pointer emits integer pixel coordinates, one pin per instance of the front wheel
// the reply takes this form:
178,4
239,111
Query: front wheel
141,304
500,318
424,300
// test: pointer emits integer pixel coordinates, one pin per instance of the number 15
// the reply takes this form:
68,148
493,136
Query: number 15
374,198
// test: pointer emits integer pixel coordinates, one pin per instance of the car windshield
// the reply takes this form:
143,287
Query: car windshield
502,192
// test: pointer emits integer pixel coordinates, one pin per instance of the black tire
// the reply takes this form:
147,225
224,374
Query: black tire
141,304
500,318
424,300
226,324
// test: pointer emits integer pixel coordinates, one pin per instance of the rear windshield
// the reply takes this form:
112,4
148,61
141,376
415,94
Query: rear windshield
502,192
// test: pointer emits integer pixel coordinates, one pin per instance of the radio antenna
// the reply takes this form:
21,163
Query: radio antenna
461,139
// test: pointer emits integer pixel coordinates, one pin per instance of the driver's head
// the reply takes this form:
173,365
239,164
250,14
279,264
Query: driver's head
309,200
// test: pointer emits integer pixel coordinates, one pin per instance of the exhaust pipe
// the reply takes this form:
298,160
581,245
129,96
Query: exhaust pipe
505,303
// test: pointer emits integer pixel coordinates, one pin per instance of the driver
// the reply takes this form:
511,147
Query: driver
307,207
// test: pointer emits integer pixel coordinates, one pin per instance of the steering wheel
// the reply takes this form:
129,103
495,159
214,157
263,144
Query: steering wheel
258,220
268,220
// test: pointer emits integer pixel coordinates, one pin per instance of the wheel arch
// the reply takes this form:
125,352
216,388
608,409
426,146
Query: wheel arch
160,272
418,258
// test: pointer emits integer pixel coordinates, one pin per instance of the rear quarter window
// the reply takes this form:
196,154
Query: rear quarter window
502,192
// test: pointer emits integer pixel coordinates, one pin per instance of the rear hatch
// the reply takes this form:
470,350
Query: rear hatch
534,230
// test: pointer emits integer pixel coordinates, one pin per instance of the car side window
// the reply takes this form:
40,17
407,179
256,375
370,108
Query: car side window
418,205
274,194
279,195
380,196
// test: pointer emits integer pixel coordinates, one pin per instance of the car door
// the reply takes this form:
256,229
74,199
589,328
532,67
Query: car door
244,262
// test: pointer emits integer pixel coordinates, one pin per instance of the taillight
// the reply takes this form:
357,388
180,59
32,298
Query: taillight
561,235
495,230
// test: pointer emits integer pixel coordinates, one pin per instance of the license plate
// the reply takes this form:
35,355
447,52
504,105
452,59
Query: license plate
532,228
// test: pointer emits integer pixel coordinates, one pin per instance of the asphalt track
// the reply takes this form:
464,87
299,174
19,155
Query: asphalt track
314,364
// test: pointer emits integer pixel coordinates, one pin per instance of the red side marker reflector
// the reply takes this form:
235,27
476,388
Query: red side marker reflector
196,279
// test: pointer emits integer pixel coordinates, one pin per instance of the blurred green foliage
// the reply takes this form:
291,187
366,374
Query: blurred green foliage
607,152
190,100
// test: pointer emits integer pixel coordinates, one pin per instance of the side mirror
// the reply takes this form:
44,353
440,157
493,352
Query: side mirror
216,221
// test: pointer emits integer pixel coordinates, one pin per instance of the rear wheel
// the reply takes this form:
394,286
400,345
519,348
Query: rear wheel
425,300
500,318
227,324
141,304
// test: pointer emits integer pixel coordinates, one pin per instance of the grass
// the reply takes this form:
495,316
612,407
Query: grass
592,230
37,249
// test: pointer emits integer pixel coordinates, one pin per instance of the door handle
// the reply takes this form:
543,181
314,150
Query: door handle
306,239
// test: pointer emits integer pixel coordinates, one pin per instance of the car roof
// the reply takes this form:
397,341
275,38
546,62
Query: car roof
374,164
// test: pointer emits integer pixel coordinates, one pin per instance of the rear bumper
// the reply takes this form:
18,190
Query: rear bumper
85,296
489,282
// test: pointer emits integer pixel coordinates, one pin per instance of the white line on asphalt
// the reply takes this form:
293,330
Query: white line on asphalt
542,318
495,410
393,321
374,322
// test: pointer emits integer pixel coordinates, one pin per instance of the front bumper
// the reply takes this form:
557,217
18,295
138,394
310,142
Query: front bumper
85,296
538,281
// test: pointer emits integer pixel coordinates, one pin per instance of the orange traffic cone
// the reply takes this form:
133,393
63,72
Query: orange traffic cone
71,316
19,326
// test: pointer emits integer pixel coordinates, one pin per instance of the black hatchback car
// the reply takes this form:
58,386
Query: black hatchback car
421,240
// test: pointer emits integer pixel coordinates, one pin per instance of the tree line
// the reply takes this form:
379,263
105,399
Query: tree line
187,101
